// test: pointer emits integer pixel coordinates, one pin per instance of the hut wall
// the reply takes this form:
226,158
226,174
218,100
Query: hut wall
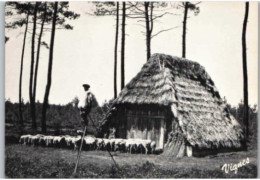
142,122
120,123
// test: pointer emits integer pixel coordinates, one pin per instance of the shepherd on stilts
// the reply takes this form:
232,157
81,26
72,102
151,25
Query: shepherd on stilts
86,104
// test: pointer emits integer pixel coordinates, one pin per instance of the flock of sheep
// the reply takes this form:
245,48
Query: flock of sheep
90,143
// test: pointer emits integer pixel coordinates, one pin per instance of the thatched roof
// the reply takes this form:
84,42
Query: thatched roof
186,87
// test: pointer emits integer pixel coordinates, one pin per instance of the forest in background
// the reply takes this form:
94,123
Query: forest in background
65,119
62,119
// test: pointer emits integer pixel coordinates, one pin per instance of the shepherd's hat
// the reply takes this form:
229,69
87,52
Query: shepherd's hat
86,86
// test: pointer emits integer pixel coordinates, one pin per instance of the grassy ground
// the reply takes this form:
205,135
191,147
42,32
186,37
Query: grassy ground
38,162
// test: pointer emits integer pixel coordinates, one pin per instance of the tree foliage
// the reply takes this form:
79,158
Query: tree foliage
61,119
238,113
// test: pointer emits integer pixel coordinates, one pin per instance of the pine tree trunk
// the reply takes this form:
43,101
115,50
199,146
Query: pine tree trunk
32,103
245,78
184,29
123,49
38,54
151,26
116,43
48,86
21,74
147,26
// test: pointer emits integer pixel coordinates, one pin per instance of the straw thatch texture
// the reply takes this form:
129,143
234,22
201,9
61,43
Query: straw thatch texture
186,87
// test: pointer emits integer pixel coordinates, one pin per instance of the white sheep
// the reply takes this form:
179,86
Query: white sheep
76,141
119,145
99,143
89,143
106,144
131,145
48,140
140,145
112,144
59,141
147,145
153,146
24,139
42,141
34,140
68,141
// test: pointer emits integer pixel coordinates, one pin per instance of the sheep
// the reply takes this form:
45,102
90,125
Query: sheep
68,140
56,140
119,145
29,140
42,141
140,146
135,145
62,142
153,146
99,143
131,145
21,139
24,139
75,141
59,141
48,141
112,144
146,145
106,144
34,140
90,143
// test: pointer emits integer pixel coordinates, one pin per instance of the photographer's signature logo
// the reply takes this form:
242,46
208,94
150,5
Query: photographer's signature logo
234,167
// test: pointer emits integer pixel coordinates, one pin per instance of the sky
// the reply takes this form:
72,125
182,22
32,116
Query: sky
86,53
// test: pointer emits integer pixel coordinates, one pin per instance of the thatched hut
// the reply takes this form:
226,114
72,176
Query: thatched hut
174,102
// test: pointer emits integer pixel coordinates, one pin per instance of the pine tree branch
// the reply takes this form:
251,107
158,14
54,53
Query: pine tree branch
163,31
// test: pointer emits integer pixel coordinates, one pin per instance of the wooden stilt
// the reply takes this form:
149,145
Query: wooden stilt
79,152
